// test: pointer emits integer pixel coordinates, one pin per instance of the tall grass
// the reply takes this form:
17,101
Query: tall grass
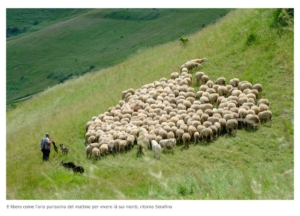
253,165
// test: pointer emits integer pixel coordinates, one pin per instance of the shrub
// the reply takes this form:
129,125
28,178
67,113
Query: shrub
283,18
183,40
251,39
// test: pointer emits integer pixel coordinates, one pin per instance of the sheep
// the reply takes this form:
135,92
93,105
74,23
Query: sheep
95,152
64,149
88,124
213,119
198,76
104,149
222,122
258,87
184,69
210,84
122,145
186,137
91,139
244,85
265,116
220,81
156,148
204,79
179,133
213,98
168,143
199,61
207,124
189,66
111,145
206,134
242,100
231,126
218,126
88,150
174,75
203,88
222,91
234,82
184,127
69,165
204,117
263,107
214,131
235,92
251,96
191,130
79,169
170,135
196,137
163,133
130,142
250,111
204,100
251,121
228,116
256,109
206,106
264,101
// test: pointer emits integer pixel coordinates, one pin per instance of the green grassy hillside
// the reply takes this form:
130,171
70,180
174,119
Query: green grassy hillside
20,21
91,41
251,44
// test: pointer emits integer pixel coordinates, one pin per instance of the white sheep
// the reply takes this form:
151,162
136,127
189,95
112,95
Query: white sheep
231,126
234,82
96,153
198,76
251,121
168,143
89,149
156,148
204,79
258,87
220,81
189,66
186,138
174,75
206,134
265,116
199,61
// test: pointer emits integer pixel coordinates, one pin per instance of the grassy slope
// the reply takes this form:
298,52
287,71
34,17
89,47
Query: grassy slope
252,165
93,41
20,21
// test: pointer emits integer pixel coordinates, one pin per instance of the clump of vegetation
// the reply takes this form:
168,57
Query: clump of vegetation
13,31
251,39
283,18
183,40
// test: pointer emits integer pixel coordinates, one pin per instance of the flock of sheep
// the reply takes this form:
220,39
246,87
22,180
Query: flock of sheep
165,113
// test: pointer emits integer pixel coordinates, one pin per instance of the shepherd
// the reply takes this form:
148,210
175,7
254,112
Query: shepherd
46,147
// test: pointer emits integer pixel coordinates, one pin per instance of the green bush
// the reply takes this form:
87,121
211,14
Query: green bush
283,18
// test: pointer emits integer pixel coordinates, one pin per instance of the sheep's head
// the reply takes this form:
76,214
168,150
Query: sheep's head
199,65
205,59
